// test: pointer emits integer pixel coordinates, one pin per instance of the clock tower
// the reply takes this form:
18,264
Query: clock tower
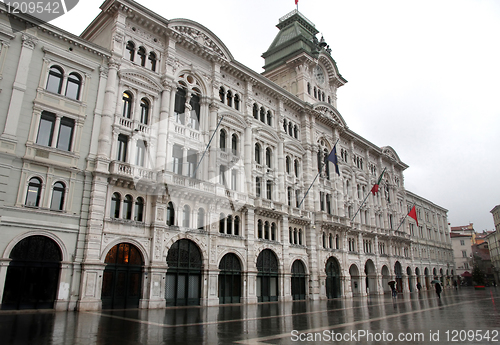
302,64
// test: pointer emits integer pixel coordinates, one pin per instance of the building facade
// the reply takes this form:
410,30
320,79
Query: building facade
493,240
163,172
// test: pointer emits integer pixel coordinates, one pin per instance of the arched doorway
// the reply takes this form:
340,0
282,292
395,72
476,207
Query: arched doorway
333,287
354,272
267,276
410,278
298,280
385,279
427,280
371,277
183,280
398,272
122,278
229,279
33,274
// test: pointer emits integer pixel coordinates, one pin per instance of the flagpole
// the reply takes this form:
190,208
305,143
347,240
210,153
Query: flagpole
405,217
360,206
382,174
320,170
208,145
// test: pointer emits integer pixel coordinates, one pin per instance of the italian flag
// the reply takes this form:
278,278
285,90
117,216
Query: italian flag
375,186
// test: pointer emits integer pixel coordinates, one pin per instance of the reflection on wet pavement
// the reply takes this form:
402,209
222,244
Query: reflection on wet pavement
368,319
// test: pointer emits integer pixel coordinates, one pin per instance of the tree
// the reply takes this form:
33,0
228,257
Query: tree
477,275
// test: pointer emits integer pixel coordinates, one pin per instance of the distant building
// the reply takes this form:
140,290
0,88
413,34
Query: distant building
494,244
462,238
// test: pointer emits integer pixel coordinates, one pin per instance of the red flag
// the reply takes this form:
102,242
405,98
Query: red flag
375,186
296,2
413,214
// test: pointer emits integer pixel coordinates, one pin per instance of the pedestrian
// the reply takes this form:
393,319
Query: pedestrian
438,289
419,286
455,284
393,288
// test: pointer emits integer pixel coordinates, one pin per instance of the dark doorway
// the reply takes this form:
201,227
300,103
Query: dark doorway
183,285
298,280
121,283
398,272
229,279
332,278
267,276
33,274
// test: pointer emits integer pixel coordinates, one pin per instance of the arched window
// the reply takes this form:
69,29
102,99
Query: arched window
34,192
273,231
268,157
259,228
294,235
236,102
234,144
186,216
201,218
287,164
289,196
55,80
255,111
295,132
237,226
266,230
337,242
300,236
269,118
222,223
142,56
221,94
315,93
131,50
222,140
170,214
229,98
229,225
152,61
329,99
180,105
73,86
195,112
296,167
127,207
57,202
144,111
115,205
127,104
308,88
139,210
284,125
262,115
330,241
257,153
290,128
324,240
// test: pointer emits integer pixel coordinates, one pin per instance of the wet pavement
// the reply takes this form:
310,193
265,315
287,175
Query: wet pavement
465,316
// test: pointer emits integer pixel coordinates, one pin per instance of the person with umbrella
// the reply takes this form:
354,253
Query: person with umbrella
392,284
438,287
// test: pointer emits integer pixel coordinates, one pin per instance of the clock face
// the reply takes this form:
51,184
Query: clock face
319,74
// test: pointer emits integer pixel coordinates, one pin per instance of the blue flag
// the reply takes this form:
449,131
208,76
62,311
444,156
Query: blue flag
332,157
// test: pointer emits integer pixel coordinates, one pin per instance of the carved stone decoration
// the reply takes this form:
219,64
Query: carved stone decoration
201,38
29,41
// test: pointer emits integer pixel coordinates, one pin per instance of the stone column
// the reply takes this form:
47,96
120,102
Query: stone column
18,89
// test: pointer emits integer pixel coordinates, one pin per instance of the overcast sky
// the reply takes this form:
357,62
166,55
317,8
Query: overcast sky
423,77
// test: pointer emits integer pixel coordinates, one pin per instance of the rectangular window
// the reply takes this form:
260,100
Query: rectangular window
222,175
269,189
322,201
192,159
122,148
297,198
233,179
65,134
46,129
464,253
257,187
462,242
328,204
141,153
177,159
